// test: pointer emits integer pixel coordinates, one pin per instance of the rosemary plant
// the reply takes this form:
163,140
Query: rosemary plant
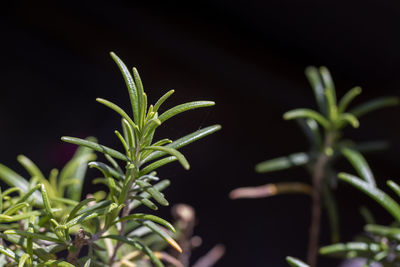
46,222
324,130
381,243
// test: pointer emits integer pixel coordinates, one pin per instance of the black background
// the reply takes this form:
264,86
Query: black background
248,56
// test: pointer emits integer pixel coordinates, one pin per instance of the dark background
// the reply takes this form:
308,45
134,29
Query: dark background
248,56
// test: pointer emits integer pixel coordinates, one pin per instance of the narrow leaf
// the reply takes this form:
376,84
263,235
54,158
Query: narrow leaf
95,146
307,113
162,99
294,262
136,244
157,164
148,188
130,84
173,152
106,170
163,235
159,186
317,86
359,164
374,105
184,107
117,109
379,196
32,235
348,97
281,163
183,141
394,186
142,216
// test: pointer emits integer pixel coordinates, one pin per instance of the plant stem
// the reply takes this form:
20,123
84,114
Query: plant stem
318,174
79,242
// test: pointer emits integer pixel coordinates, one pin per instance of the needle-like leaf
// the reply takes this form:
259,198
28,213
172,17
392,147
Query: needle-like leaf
379,196
281,163
348,97
374,105
173,152
95,146
314,78
130,84
183,141
136,244
294,262
360,164
307,113
184,107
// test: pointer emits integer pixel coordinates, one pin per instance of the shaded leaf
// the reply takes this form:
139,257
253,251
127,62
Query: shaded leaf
379,196
281,163
359,164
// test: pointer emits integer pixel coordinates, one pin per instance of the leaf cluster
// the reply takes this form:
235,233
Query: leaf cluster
47,222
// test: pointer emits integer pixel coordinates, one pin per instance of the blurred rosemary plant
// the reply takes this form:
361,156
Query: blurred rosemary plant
324,130
46,222
380,243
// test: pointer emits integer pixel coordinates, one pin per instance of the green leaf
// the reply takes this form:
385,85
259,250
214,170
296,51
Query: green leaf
46,201
32,235
76,169
95,146
31,167
341,248
348,118
136,244
130,84
82,218
184,107
281,163
117,109
148,188
13,179
8,252
379,196
14,208
173,152
157,164
79,206
359,164
162,99
328,82
142,100
152,226
183,141
374,105
99,205
29,193
380,230
106,170
317,86
24,258
159,186
394,186
348,97
307,113
142,216
295,262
